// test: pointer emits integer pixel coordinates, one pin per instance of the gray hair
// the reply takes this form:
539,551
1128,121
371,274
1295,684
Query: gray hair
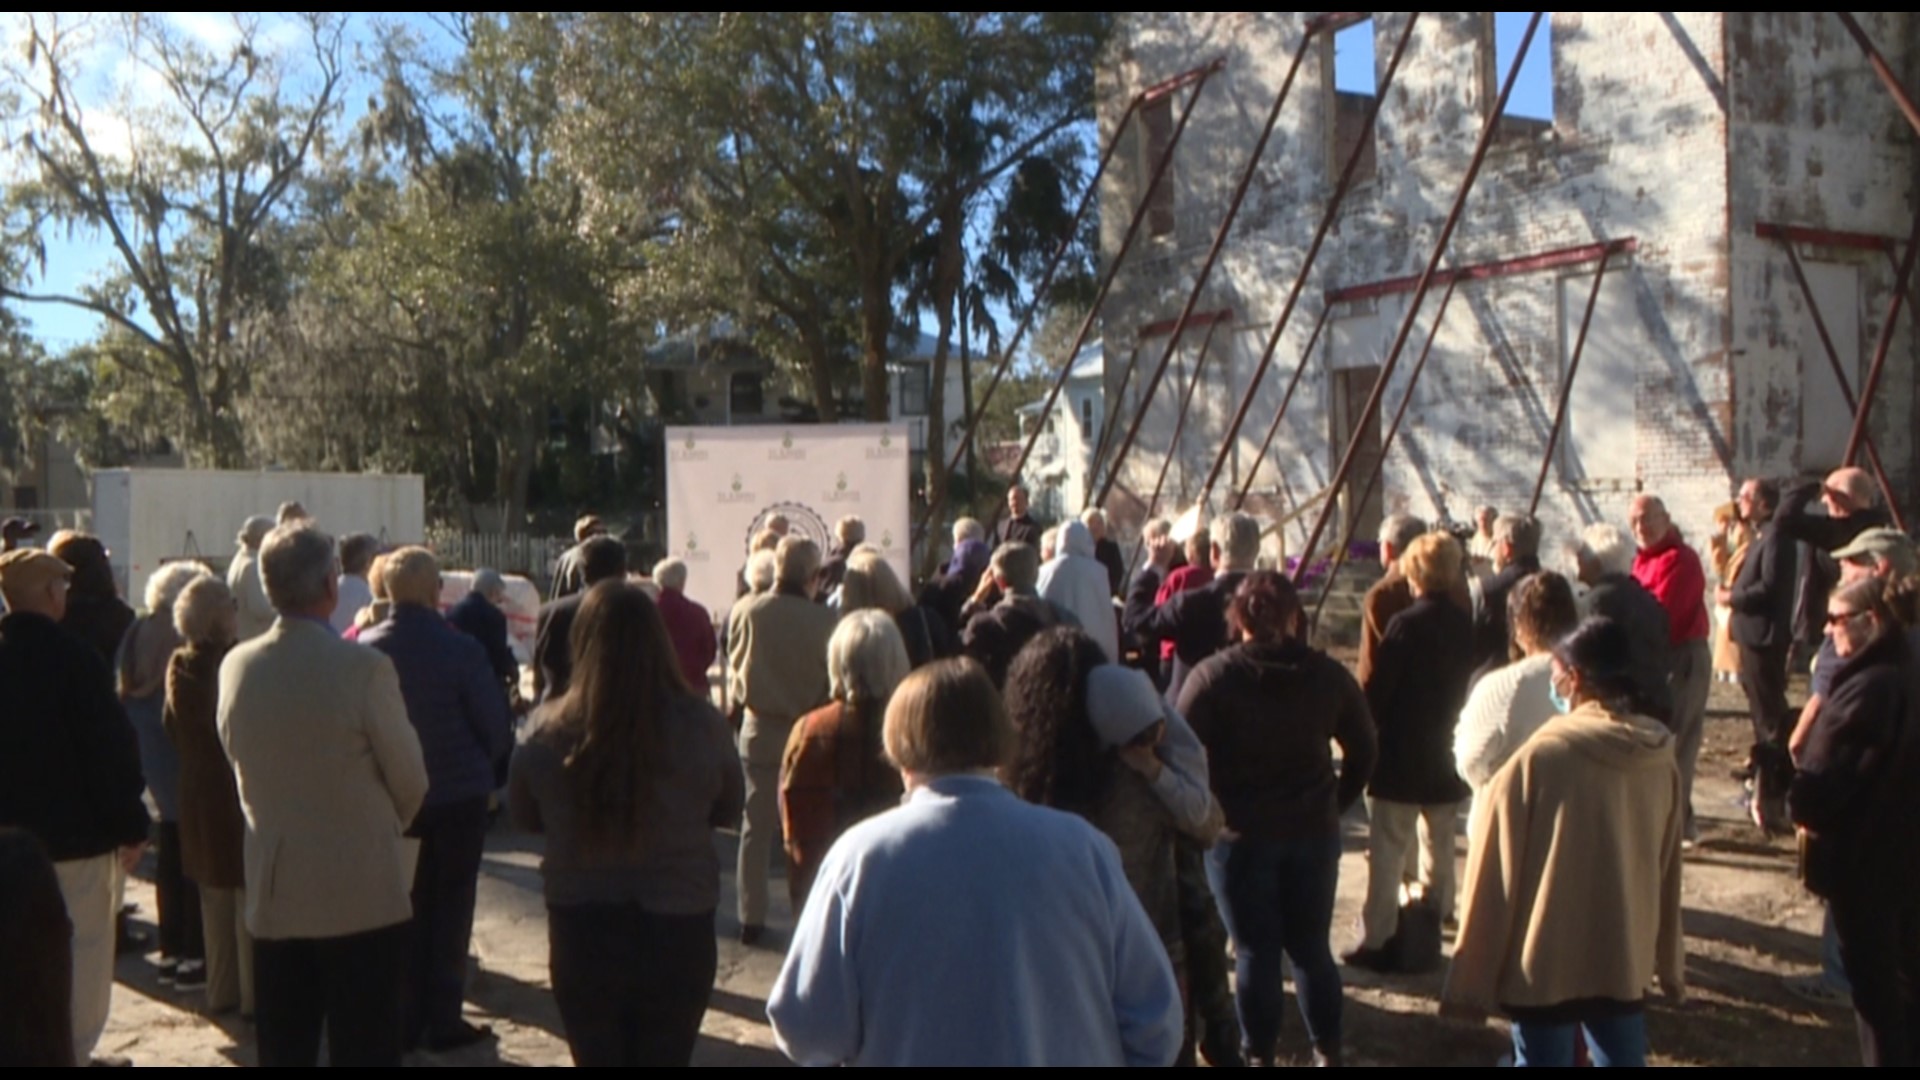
1050,543
203,613
871,583
1018,565
1608,548
760,571
1523,533
253,530
1157,528
671,574
1238,537
1401,530
297,566
488,582
866,658
166,583
795,562
968,529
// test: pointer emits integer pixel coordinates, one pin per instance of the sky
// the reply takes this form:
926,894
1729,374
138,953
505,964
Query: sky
71,261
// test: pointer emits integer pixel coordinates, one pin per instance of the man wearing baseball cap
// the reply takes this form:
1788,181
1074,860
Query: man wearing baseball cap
69,771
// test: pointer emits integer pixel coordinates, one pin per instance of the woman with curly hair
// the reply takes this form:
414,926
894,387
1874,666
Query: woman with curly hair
628,774
1087,739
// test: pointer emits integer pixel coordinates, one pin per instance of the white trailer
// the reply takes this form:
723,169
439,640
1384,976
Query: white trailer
149,517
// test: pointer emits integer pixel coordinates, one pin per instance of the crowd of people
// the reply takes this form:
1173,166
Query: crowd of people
1037,813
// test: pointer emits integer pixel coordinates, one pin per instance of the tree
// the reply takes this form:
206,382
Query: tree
814,150
183,173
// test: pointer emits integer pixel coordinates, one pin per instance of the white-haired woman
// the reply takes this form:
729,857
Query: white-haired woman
243,578
142,674
869,582
835,773
211,827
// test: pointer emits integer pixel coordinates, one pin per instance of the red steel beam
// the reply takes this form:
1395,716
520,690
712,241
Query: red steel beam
1206,268
1805,234
1372,410
1266,444
1179,429
1840,377
1888,327
1526,264
1108,420
1901,99
1167,86
1566,390
1327,218
1107,279
1168,326
1386,445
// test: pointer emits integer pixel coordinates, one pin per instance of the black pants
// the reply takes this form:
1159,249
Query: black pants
1763,675
452,838
1878,924
631,986
181,935
350,984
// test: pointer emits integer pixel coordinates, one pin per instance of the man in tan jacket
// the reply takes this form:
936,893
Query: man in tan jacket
330,774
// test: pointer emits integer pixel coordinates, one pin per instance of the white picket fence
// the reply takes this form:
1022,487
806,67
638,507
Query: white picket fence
510,553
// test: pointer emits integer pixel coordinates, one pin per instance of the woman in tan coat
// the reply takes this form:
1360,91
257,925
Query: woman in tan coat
212,830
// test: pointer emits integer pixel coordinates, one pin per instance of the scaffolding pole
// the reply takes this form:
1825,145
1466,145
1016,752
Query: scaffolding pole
1904,102
1566,387
1840,377
1372,409
1160,166
1273,429
1179,429
1386,445
1213,255
1087,198
1327,218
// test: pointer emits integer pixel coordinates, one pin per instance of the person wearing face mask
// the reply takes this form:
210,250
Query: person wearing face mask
1572,901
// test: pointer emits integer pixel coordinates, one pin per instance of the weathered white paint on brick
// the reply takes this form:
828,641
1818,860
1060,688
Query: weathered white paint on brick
1683,129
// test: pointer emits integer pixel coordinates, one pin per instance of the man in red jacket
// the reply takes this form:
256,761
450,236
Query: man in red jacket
1666,567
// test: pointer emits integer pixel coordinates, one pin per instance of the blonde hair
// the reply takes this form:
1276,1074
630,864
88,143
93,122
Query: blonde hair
948,718
204,613
1432,563
165,585
871,583
413,577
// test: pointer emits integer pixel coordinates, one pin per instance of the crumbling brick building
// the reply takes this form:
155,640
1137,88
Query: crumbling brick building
1701,137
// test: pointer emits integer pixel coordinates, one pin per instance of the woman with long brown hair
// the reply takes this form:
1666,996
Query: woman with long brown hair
628,774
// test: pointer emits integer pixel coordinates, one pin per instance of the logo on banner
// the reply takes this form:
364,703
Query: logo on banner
840,494
736,493
886,540
692,553
687,451
886,451
802,520
786,451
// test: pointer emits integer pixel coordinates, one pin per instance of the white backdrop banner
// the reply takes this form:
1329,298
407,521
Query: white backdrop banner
724,482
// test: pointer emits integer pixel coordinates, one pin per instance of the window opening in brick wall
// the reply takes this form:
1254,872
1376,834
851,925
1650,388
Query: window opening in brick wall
1530,108
1356,80
1156,124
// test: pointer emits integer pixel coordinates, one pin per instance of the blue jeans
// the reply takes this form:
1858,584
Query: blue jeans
1619,1042
1277,896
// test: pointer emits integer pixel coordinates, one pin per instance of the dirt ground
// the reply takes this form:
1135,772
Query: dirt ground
1748,924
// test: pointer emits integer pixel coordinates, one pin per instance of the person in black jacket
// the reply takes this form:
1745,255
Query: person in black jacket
1194,620
1857,796
601,557
478,616
1761,599
1516,554
1605,558
1852,504
69,771
1415,691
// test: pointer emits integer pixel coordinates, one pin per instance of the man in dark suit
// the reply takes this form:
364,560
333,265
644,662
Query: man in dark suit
1516,553
1019,527
1761,598
601,557
1195,620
